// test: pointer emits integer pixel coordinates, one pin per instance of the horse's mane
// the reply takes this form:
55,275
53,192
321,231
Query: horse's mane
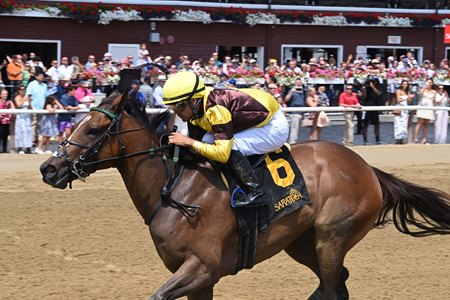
109,99
130,107
158,119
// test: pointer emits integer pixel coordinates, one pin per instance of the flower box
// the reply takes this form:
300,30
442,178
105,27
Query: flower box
445,81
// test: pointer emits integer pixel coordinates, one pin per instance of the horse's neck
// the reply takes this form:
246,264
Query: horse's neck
144,176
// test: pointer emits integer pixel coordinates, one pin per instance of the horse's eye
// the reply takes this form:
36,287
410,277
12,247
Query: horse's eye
92,131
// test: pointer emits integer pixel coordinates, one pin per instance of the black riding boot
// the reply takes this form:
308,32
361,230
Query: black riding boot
255,195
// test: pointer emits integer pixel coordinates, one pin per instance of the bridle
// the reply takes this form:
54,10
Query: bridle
79,166
89,158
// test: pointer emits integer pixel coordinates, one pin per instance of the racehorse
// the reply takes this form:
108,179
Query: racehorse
348,198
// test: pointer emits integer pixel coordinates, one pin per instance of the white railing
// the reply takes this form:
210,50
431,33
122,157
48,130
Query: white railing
285,109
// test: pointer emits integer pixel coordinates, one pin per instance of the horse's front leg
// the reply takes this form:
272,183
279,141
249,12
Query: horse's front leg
194,279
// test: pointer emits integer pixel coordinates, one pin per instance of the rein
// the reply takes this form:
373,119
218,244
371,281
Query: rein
78,166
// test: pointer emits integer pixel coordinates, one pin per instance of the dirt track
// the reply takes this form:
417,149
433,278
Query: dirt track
90,242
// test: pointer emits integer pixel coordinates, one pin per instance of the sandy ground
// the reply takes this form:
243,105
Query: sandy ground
90,242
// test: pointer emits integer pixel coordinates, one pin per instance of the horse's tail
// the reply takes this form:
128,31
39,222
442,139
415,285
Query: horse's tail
425,208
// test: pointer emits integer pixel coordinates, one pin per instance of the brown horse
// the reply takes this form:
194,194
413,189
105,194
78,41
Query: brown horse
349,198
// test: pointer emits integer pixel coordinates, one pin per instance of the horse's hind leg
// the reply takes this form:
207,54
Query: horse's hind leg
303,250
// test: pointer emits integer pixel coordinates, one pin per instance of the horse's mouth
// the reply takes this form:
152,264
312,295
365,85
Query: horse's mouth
55,177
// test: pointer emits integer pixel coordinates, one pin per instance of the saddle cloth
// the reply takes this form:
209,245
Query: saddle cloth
284,185
281,179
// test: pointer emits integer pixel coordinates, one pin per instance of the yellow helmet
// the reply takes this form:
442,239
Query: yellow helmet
183,86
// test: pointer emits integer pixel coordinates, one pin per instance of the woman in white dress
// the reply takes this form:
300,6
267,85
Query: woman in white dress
441,117
404,97
427,98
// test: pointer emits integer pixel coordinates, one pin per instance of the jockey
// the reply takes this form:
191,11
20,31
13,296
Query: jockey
238,122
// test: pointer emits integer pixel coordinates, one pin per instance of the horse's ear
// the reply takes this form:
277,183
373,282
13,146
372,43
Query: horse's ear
119,101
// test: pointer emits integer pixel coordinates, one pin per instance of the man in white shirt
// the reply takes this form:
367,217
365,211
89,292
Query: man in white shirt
32,62
157,92
53,71
65,71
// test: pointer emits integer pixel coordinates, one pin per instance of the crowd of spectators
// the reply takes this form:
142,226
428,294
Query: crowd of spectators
26,83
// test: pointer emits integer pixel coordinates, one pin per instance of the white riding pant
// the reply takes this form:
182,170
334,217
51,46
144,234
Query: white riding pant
260,140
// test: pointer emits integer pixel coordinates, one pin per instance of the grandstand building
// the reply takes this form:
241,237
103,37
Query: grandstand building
280,29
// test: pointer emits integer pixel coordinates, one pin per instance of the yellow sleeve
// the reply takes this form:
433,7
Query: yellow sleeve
220,151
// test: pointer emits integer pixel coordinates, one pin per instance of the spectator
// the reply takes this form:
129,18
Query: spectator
146,59
64,70
403,96
36,92
142,50
65,125
185,65
157,91
147,92
3,74
36,67
292,67
372,97
138,97
273,90
272,65
53,72
426,69
223,82
232,83
312,100
173,69
215,56
295,98
158,101
427,98
49,125
84,103
100,66
83,90
91,60
324,101
348,99
60,89
441,117
5,120
22,127
77,68
272,80
14,71
26,72
34,61
109,81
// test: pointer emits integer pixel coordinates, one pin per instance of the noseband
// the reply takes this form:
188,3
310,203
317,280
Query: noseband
78,166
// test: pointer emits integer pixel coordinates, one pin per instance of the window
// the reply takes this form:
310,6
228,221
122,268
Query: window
242,52
396,51
47,50
303,53
120,51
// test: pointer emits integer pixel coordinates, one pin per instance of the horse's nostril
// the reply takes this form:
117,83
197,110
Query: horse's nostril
50,169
